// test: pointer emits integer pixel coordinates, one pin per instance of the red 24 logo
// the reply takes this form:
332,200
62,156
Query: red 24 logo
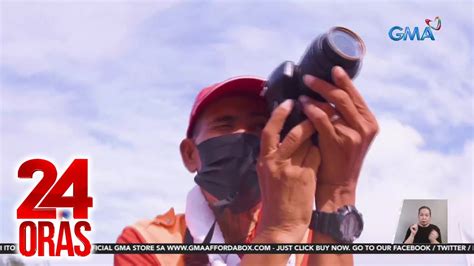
42,202
75,175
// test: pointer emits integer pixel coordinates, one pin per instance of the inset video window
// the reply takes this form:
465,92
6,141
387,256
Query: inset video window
423,222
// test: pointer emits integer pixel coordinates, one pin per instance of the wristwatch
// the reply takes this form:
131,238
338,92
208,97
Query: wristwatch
345,225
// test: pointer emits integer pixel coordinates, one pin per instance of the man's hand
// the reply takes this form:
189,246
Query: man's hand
414,229
433,236
287,176
346,129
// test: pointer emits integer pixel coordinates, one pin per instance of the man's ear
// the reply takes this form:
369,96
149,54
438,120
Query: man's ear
190,155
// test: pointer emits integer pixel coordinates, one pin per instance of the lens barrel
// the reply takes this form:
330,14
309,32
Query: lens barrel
339,46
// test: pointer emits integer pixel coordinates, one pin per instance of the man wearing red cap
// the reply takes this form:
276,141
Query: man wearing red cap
253,187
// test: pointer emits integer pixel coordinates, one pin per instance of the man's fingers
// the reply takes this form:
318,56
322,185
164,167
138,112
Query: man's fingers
271,133
326,107
343,81
340,98
293,140
318,117
349,136
313,158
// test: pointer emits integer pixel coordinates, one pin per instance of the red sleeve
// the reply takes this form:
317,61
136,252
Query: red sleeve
131,236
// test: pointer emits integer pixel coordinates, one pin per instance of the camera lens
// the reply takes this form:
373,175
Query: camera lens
346,43
337,47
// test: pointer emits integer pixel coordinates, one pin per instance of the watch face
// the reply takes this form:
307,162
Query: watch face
350,226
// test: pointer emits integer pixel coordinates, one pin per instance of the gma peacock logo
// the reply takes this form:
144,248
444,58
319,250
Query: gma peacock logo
397,33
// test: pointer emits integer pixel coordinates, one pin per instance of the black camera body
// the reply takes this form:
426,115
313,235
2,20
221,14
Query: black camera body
339,46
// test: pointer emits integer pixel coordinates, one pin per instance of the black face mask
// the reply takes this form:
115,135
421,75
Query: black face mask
228,170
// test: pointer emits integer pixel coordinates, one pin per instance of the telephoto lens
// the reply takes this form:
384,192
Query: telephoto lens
337,47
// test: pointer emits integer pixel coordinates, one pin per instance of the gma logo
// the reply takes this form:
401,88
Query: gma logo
397,33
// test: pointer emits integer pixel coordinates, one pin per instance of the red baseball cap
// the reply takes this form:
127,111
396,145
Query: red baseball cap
241,84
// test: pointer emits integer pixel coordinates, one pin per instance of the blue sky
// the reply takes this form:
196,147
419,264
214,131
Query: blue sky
115,82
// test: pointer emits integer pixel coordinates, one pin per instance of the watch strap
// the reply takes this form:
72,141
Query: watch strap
322,221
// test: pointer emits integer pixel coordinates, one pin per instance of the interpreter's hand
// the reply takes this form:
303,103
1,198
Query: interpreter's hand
414,229
433,236
346,128
287,175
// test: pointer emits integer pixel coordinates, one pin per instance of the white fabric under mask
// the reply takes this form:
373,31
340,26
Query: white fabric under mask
199,219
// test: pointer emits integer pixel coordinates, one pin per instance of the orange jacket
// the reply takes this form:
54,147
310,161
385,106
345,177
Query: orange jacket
165,228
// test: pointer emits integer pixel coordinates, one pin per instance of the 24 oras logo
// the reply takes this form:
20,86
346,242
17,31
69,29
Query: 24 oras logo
39,214
398,33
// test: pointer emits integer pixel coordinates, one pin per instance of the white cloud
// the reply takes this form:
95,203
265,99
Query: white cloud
398,163
399,167
40,37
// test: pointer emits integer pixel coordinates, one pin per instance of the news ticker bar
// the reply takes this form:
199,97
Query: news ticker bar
109,248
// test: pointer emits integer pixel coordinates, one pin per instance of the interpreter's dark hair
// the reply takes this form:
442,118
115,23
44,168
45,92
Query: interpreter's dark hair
424,207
